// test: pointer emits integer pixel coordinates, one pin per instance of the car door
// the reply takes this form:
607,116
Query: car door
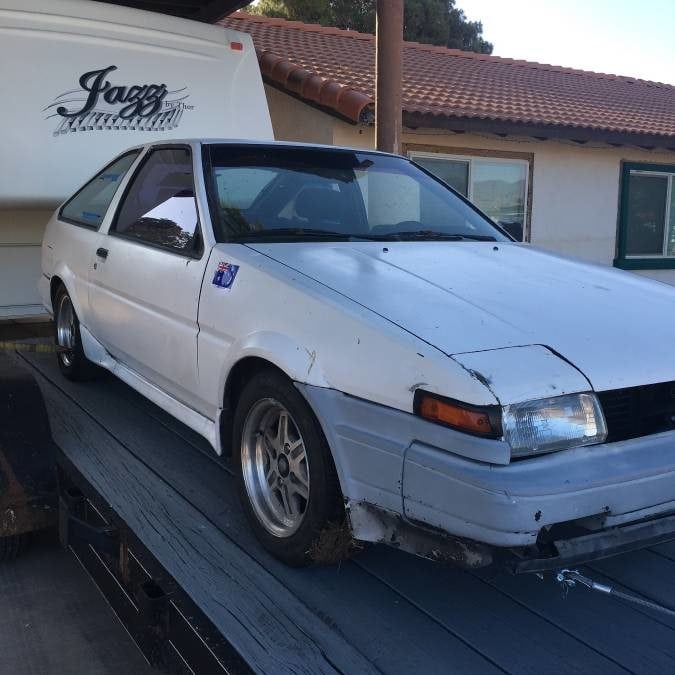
148,272
72,238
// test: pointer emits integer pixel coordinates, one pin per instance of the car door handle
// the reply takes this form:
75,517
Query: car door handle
102,253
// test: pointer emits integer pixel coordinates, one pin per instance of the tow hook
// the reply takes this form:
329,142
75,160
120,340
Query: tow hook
570,578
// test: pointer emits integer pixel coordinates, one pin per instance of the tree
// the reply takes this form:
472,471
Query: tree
464,34
437,22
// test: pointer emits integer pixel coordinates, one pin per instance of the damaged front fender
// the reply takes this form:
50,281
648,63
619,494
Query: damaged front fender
372,524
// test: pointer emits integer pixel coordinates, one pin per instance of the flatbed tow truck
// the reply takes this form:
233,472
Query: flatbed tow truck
153,517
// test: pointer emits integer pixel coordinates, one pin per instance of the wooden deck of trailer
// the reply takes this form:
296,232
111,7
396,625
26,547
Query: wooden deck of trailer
383,611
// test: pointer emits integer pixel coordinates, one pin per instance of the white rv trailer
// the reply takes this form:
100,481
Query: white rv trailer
82,81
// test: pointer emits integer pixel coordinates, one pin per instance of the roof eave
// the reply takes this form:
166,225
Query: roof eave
579,134
343,101
366,116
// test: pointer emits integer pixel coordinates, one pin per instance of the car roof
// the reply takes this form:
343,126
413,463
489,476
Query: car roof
262,144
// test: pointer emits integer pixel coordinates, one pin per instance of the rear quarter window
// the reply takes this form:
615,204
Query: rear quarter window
88,206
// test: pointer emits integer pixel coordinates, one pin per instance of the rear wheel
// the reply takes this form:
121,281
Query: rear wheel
72,361
287,480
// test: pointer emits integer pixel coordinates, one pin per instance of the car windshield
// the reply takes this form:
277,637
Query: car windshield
297,194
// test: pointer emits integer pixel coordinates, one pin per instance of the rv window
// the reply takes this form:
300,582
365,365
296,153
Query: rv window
88,206
159,207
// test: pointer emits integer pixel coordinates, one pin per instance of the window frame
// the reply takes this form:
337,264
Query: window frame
471,155
88,226
198,249
623,259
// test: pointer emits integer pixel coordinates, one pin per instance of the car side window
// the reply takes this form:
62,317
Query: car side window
88,206
159,207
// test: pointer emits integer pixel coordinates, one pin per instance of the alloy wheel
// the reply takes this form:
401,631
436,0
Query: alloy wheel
275,467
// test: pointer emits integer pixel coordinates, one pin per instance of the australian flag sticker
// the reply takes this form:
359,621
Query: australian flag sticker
225,275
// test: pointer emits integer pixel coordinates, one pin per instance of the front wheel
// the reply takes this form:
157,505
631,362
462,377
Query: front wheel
287,481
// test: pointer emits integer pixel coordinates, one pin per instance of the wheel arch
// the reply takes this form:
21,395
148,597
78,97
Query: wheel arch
246,367
239,374
62,276
255,351
54,284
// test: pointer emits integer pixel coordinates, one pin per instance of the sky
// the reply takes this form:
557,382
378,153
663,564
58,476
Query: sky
622,37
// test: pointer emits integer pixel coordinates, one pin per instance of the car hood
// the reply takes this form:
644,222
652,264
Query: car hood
617,328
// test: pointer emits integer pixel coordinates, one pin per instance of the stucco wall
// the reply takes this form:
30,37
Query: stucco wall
575,195
293,120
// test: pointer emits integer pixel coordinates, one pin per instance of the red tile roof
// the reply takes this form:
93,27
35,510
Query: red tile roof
442,87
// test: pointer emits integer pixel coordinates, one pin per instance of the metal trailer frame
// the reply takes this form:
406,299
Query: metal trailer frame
169,628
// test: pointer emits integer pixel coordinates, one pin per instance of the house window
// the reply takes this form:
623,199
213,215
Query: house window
497,186
647,217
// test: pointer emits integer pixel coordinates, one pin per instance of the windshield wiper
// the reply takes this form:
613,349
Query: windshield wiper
290,233
442,236
302,232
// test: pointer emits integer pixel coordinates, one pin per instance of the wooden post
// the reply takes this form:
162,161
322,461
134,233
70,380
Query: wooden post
388,74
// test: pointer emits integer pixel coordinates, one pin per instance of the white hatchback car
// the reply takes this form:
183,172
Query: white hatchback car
362,340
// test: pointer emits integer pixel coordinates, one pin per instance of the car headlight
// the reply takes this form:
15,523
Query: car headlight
530,428
550,424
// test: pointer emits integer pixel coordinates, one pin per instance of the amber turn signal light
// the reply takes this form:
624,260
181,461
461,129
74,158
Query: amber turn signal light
471,420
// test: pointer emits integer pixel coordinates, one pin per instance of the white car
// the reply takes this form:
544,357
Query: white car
362,340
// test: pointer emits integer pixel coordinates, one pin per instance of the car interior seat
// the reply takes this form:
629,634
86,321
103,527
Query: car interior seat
323,208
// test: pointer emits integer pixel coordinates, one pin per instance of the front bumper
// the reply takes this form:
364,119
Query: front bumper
449,482
510,505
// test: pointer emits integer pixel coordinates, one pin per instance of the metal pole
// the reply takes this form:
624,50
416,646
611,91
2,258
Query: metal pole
388,74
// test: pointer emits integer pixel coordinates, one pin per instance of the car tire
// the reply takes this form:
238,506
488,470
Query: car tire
70,356
11,547
287,481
